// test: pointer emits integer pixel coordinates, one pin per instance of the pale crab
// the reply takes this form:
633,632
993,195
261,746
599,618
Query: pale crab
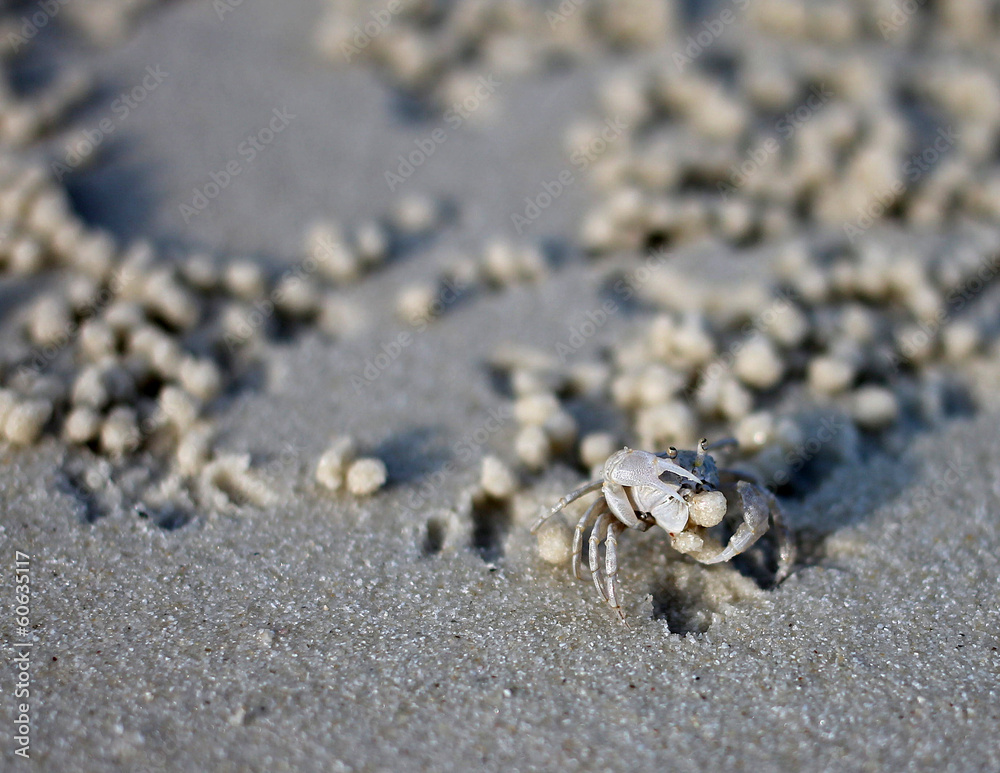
682,492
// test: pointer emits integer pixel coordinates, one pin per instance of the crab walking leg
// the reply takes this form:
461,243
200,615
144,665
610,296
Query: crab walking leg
566,500
611,567
600,531
751,529
786,545
581,527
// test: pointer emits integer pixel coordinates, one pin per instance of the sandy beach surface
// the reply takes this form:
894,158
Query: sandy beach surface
418,628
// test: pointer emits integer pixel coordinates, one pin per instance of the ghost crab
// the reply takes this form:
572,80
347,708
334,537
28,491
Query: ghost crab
683,492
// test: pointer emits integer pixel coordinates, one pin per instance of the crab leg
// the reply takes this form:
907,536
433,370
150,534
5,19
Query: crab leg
753,526
566,500
762,499
611,568
600,531
786,545
581,527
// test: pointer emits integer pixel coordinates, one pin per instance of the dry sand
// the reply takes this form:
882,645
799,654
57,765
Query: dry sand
405,631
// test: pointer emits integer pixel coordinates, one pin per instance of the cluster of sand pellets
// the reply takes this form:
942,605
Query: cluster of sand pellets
118,353
125,354
832,347
852,334
758,121
128,357
440,51
846,333
762,124
23,120
104,22
784,128
340,467
499,265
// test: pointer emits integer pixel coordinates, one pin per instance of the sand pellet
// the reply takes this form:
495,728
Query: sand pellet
82,425
333,463
533,447
120,432
25,421
555,543
366,475
496,478
596,447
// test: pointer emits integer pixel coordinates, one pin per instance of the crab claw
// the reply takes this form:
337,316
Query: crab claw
755,515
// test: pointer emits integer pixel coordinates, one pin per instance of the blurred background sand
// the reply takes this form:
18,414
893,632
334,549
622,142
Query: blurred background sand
251,620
